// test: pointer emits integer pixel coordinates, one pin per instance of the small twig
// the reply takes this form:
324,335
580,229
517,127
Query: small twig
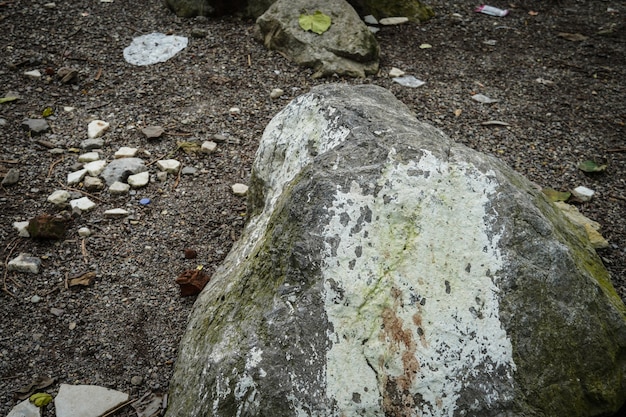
622,149
180,168
180,133
55,163
249,61
116,409
83,249
98,74
9,161
56,288
97,106
82,192
619,197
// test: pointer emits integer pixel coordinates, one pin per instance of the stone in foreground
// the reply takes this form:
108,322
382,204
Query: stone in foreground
86,400
388,271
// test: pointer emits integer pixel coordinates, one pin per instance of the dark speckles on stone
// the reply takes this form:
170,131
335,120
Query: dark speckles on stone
447,283
468,268
344,219
386,199
358,251
356,397
351,264
423,302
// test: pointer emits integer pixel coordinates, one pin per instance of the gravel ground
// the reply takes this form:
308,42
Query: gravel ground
129,321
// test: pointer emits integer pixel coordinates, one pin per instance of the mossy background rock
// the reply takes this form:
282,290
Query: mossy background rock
346,48
386,270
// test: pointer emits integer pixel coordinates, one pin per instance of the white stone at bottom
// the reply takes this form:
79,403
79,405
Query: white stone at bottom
86,400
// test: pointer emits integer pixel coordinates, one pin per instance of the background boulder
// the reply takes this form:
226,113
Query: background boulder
346,48
386,270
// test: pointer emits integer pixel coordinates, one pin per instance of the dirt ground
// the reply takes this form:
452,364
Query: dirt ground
563,99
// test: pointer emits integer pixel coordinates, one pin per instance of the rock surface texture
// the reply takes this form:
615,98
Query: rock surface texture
346,48
386,270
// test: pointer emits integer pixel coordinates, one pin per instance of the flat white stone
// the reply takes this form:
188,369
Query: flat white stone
59,197
76,176
409,81
86,400
396,72
95,168
481,98
154,47
82,204
24,263
89,157
168,165
139,180
389,21
21,228
370,20
583,193
234,110
126,152
97,128
25,409
33,74
208,147
240,189
116,212
119,188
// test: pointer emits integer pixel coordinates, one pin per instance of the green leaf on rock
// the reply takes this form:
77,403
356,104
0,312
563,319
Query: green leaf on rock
317,22
591,166
554,195
41,399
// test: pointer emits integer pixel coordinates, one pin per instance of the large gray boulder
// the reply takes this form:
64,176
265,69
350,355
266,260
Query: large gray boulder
388,271
347,48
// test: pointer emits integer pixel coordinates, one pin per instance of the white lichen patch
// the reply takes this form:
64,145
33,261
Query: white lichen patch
409,291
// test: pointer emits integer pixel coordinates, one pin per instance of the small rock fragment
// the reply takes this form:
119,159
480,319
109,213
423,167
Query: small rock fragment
22,228
583,193
370,20
89,157
192,281
276,92
67,74
125,152
12,177
35,126
33,74
59,197
57,311
89,144
116,213
396,72
35,299
24,263
481,98
234,110
95,168
208,147
82,204
189,171
139,180
84,232
161,176
240,189
93,183
190,253
389,21
409,81
119,188
168,165
152,132
76,176
96,128
136,380
219,138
